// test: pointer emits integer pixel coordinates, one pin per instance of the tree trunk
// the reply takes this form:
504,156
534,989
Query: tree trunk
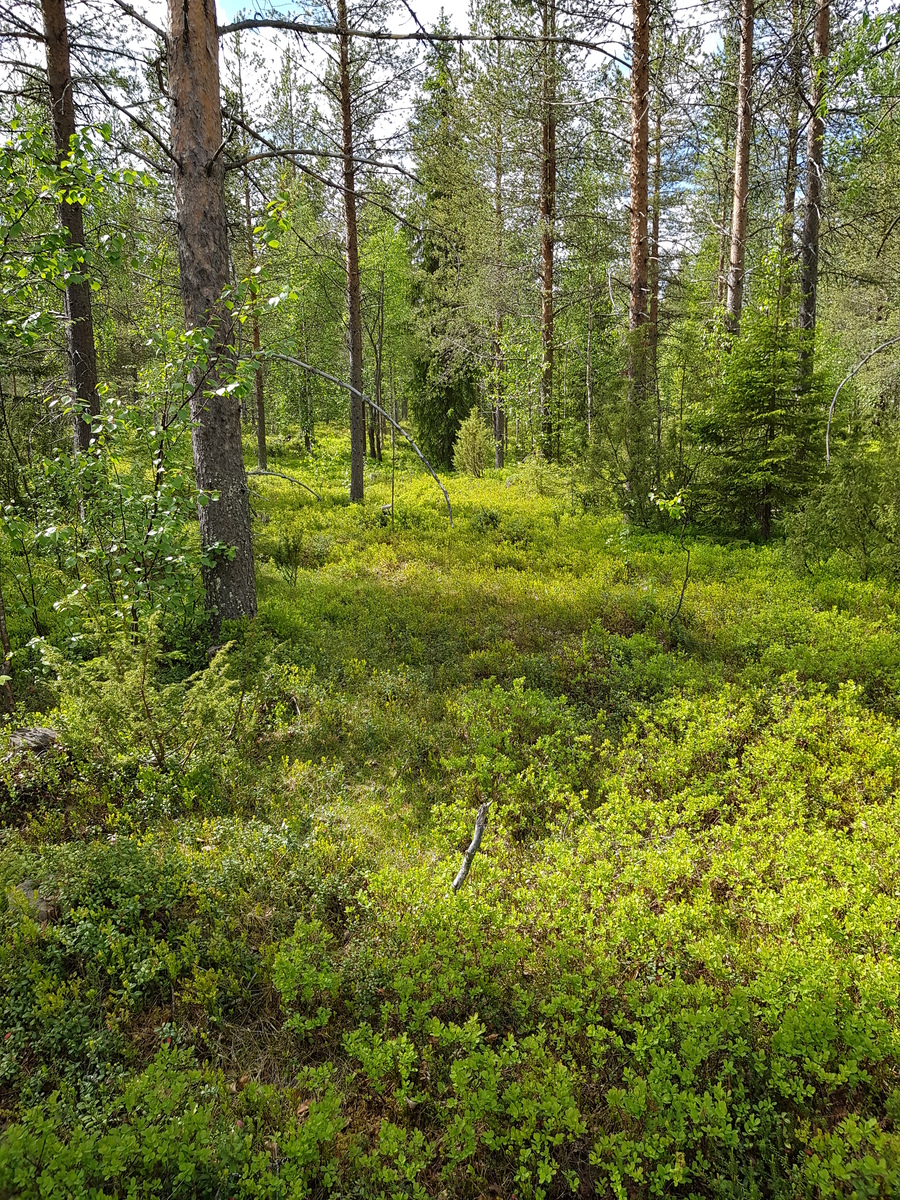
793,140
499,421
589,366
640,139
735,297
721,273
547,214
196,133
653,314
809,247
379,371
80,346
9,702
262,458
354,301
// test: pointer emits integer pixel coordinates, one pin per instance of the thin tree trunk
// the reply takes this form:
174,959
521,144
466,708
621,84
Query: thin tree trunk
9,702
653,314
290,100
589,368
80,345
499,415
639,255
262,457
735,297
721,273
371,425
196,137
379,352
547,215
354,301
809,247
307,393
793,140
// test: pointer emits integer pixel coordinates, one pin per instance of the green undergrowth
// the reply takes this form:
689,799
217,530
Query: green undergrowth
672,971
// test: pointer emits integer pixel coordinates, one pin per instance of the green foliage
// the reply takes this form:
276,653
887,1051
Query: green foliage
671,970
474,446
443,391
761,433
852,517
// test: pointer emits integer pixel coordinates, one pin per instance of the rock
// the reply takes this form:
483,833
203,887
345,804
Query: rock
41,908
35,738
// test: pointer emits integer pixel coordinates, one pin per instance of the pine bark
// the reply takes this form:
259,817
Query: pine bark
80,345
196,139
262,456
653,311
640,150
354,293
499,365
547,216
795,61
809,245
734,299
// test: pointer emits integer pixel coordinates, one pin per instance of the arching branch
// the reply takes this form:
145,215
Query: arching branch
289,478
384,35
859,366
348,387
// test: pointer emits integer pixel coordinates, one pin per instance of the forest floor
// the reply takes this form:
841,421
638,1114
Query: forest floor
673,970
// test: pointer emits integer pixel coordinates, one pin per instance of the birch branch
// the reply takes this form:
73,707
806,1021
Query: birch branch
480,824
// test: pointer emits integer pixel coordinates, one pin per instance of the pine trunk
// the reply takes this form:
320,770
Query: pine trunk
640,148
809,246
547,214
80,346
262,457
499,365
354,295
739,208
793,140
196,135
653,313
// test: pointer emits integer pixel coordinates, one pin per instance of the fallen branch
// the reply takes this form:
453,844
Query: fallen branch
371,403
859,366
480,824
289,478
687,575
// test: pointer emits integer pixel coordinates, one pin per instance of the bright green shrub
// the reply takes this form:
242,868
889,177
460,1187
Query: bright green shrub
474,446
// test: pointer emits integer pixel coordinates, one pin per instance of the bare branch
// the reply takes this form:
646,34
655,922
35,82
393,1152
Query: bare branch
136,16
383,35
290,152
480,824
144,128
